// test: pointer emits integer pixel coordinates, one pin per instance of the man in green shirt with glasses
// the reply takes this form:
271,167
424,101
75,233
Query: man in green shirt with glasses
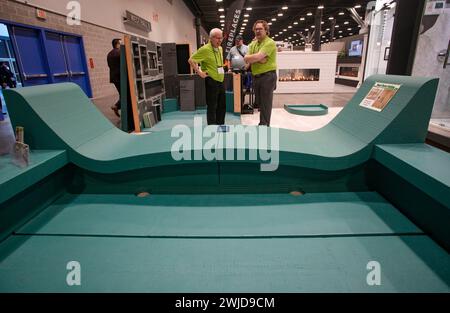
210,57
263,59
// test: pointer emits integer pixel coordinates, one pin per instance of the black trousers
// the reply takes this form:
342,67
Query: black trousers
215,101
264,85
118,104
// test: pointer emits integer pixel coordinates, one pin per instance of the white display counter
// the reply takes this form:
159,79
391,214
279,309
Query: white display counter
306,72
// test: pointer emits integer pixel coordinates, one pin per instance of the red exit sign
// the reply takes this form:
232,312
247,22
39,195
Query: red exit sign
41,14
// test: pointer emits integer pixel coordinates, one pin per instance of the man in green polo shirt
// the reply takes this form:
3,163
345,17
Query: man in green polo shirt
262,56
210,57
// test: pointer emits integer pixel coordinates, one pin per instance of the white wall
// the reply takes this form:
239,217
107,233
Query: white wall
333,46
174,23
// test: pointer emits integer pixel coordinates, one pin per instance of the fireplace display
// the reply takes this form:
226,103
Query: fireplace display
348,71
298,75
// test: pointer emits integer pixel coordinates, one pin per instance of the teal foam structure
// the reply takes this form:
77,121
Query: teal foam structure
51,115
374,191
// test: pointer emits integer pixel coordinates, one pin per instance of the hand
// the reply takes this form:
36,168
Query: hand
202,74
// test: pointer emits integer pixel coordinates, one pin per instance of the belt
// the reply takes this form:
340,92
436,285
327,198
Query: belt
259,75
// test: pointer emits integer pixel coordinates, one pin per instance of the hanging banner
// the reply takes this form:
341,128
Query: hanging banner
232,23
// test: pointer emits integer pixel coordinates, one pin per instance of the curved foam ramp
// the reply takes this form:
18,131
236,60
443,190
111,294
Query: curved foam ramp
60,116
349,138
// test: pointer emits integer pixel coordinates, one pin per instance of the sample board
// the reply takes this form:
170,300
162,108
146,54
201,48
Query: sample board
146,80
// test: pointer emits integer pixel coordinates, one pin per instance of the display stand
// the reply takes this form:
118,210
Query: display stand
146,81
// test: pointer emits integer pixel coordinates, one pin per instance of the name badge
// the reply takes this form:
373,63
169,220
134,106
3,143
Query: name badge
220,70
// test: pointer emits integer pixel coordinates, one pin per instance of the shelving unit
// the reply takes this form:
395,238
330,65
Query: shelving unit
147,81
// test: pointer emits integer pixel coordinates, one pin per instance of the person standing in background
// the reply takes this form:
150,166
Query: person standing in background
263,59
113,59
237,54
210,57
237,64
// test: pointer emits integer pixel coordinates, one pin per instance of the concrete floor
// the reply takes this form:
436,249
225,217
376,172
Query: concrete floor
338,99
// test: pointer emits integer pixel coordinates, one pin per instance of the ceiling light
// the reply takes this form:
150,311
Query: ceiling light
309,14
346,22
295,23
357,6
221,10
312,26
302,19
284,8
350,34
245,20
222,21
222,16
289,26
306,29
322,22
219,0
336,26
249,9
341,13
274,19
320,7
280,14
331,18
349,29
244,24
327,29
284,29
270,23
246,15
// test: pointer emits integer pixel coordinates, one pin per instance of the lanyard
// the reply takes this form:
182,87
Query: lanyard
215,57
